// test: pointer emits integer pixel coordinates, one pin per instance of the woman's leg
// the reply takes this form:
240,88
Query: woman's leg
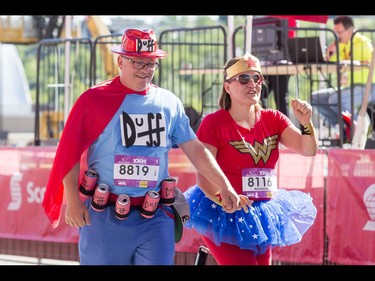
227,254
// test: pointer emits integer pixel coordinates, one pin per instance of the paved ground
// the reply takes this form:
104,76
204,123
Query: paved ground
20,260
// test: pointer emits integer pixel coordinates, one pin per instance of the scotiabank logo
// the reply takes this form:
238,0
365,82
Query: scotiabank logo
369,200
34,194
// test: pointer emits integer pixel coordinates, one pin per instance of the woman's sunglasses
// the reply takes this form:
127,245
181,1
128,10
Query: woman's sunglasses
244,79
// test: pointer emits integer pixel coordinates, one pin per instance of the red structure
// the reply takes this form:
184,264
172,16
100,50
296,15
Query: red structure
341,182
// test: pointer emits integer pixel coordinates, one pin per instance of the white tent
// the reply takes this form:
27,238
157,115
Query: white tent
16,113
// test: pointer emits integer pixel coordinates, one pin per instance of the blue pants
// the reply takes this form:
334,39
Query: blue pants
133,241
326,102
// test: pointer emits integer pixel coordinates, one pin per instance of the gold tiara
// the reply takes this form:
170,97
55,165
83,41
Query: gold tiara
245,63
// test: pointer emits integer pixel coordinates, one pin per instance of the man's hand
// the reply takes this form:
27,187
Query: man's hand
331,50
76,214
245,203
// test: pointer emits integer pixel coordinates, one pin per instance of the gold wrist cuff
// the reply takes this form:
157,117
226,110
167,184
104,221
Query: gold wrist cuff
306,129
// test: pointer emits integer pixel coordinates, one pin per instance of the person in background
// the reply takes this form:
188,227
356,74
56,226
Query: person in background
278,84
326,100
122,129
245,138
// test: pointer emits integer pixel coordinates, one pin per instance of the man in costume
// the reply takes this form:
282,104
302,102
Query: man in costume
121,130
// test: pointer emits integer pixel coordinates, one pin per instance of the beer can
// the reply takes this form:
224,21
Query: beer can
88,184
168,191
100,198
150,204
122,207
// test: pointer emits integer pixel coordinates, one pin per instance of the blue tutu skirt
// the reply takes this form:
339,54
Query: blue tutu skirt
281,221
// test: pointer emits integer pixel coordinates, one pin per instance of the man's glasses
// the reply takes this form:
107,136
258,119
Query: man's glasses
140,65
244,79
341,32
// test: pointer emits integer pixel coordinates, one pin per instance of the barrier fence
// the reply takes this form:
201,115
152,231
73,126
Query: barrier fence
193,71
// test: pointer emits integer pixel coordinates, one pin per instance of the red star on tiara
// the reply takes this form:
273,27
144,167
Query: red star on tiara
250,62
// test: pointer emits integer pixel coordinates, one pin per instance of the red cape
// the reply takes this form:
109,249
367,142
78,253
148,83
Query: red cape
89,116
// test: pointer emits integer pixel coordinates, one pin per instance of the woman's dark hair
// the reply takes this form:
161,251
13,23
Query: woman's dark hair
225,101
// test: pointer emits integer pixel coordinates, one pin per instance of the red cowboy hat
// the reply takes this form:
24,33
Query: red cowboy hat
139,43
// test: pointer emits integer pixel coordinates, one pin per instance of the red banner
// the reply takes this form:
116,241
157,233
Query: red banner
350,202
351,206
310,18
23,177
